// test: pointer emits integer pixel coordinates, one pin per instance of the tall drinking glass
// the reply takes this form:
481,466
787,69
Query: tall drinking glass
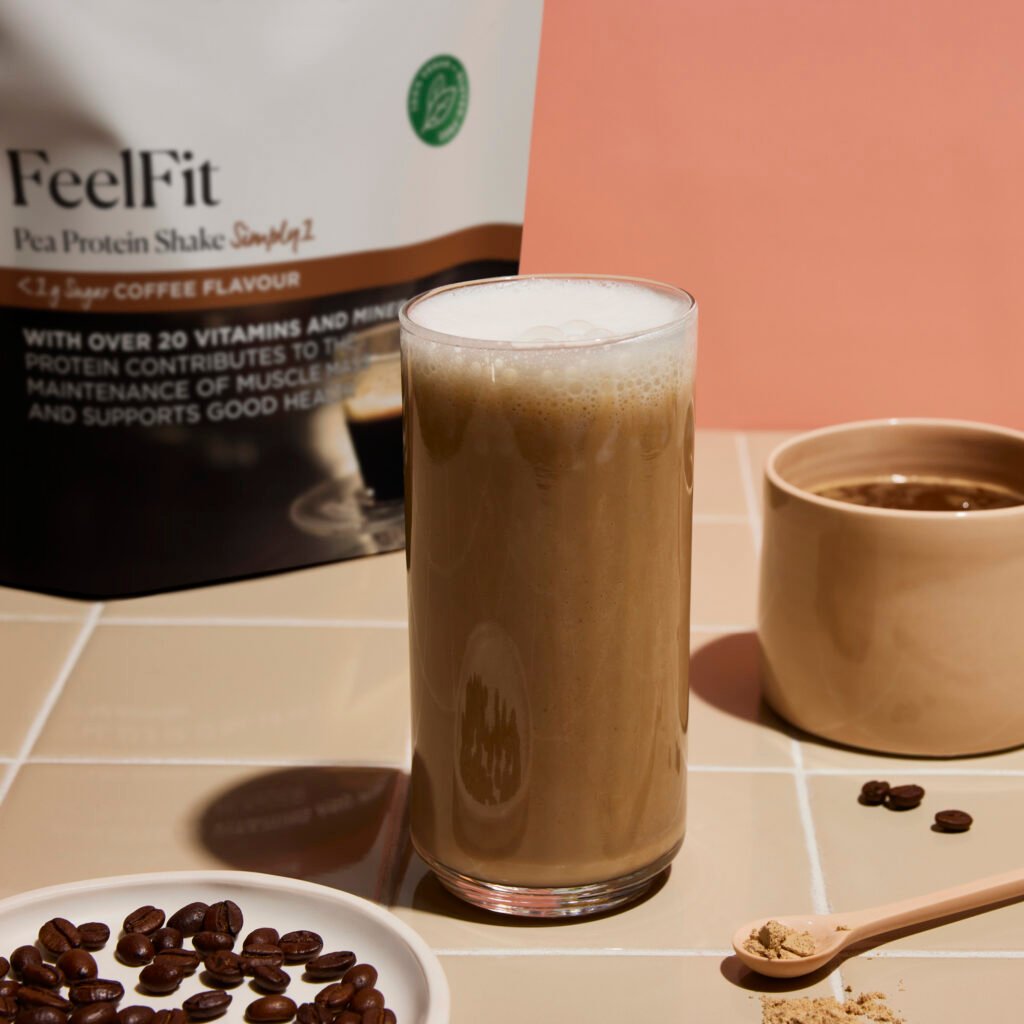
549,484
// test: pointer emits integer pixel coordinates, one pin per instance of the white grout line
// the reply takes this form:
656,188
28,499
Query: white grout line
216,620
710,769
569,951
398,764
914,769
719,517
945,954
37,617
750,491
39,722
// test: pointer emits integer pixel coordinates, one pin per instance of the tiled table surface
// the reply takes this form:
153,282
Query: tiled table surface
164,732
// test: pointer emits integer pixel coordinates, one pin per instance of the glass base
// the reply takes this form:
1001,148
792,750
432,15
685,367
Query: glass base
553,901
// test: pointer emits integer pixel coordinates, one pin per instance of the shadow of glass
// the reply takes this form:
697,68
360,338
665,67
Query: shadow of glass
334,825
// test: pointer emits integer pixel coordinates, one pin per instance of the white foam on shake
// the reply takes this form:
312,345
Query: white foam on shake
523,343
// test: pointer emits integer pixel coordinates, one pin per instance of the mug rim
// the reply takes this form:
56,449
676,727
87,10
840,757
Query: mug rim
775,478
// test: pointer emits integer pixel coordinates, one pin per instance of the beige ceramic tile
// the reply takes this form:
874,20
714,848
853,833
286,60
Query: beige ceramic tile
872,855
822,755
942,991
362,588
718,486
760,444
744,855
31,656
236,692
579,989
729,722
25,602
66,822
724,584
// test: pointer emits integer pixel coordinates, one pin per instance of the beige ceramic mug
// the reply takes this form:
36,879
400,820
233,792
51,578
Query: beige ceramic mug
897,631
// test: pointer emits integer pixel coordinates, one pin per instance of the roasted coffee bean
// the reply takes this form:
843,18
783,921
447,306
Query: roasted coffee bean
261,937
904,798
336,997
9,988
225,967
160,979
24,955
268,978
210,942
874,793
135,1015
300,946
29,995
77,965
348,1017
174,1016
310,1013
41,1015
361,976
42,975
189,919
134,949
95,1013
146,920
389,1017
366,998
5,966
270,1010
166,938
953,821
186,960
253,956
207,1005
94,934
59,935
8,1007
330,965
98,990
225,916
378,1015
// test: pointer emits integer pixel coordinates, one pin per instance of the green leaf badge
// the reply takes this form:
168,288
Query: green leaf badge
438,99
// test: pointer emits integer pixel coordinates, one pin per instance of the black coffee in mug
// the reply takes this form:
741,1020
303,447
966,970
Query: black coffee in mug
915,493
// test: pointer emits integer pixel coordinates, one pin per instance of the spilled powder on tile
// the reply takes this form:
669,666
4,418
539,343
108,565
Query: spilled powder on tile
868,1006
774,941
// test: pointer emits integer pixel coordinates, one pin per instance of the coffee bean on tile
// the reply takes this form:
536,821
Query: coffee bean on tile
94,935
174,1016
25,955
329,966
377,1015
189,919
77,965
8,1007
9,988
874,793
361,976
30,995
953,821
270,1010
41,1015
96,990
336,997
42,975
225,967
300,946
348,1017
262,937
145,919
365,999
160,979
904,798
186,960
225,916
310,1013
268,978
59,935
135,1015
134,949
210,942
207,1005
95,1013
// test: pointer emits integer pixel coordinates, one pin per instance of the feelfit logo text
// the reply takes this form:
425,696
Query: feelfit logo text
141,178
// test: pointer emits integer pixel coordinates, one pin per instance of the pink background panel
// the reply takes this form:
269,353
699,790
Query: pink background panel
841,185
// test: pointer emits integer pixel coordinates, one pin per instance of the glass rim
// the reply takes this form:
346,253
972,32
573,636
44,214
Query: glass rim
442,337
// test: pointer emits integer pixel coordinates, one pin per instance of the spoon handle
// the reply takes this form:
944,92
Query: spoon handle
902,914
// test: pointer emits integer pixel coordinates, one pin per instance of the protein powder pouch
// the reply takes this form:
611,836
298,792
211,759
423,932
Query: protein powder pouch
214,213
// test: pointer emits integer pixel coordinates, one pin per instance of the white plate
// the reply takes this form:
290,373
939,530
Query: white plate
411,977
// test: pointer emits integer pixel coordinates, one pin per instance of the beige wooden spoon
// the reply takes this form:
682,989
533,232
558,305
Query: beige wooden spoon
863,924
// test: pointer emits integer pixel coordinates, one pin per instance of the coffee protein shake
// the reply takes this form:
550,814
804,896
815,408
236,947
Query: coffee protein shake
549,448
212,214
